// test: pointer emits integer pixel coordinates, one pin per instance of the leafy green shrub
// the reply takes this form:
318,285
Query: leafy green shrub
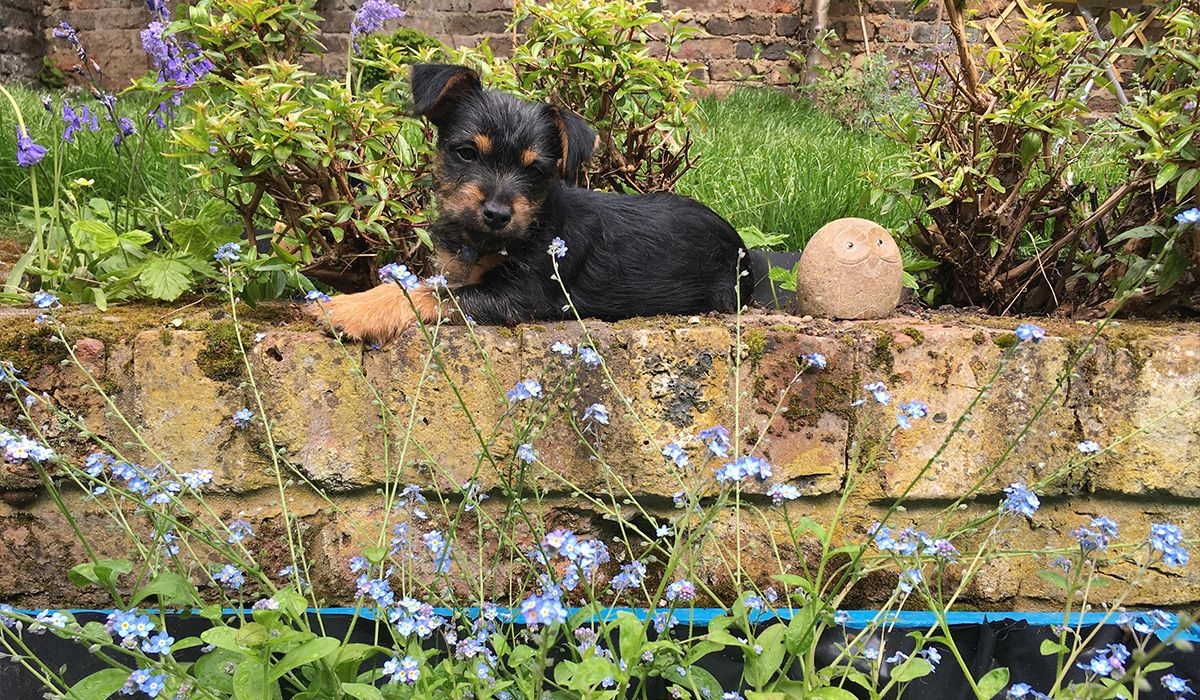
993,173
596,59
405,45
858,97
345,171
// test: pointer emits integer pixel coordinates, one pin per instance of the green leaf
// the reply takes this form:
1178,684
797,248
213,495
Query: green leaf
362,691
222,638
172,590
915,667
164,278
831,693
1050,648
753,237
94,236
249,681
1053,578
136,237
1139,232
307,653
1186,184
101,573
1165,175
99,685
992,683
632,636
760,668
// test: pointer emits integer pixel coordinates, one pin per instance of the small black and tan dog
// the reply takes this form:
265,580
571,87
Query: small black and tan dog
506,186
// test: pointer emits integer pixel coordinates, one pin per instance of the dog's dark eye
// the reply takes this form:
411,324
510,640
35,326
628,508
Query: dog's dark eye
467,153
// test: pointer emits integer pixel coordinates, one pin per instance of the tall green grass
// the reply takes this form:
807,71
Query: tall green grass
139,172
770,161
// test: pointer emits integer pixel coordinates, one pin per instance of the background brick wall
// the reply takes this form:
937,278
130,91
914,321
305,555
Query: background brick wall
746,40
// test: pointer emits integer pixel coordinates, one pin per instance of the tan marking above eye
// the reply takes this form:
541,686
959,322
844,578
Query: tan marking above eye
483,142
529,157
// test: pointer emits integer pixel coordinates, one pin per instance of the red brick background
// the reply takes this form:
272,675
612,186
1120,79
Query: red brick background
746,40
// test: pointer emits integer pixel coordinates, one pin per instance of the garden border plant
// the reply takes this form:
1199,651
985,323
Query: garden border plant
194,560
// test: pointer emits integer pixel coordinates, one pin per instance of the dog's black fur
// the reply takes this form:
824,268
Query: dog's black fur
506,186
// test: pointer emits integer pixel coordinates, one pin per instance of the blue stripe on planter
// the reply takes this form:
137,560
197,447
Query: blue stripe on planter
702,616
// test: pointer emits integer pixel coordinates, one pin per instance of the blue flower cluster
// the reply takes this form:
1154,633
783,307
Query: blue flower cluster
557,249
178,64
1191,217
370,18
399,274
524,390
1020,500
1107,662
145,681
596,413
631,576
1029,332
1097,536
743,467
546,609
152,485
681,590
20,448
910,542
1168,539
583,556
716,439
406,670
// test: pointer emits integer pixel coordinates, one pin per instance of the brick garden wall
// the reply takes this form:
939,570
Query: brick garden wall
747,40
1134,391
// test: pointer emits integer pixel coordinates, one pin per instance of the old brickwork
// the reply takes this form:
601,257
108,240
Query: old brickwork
745,40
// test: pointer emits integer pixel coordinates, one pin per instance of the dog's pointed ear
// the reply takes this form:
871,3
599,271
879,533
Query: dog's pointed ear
438,88
578,142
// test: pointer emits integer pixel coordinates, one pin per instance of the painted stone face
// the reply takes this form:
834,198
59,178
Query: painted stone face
851,269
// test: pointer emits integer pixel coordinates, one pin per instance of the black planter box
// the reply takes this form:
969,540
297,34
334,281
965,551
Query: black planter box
985,642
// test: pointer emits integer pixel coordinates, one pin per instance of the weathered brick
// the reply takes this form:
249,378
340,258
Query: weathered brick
704,48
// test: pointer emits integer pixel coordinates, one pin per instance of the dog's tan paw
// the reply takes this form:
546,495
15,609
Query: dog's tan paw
378,315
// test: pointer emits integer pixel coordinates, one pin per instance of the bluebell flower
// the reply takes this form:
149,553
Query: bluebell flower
45,300
67,32
597,413
228,253
1020,500
717,440
1175,684
558,248
79,120
524,389
1028,331
370,18
29,153
526,454
1191,217
242,418
589,356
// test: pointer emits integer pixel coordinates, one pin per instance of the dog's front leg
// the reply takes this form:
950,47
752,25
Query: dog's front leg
379,314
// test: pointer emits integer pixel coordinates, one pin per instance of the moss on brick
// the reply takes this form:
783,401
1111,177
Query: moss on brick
221,359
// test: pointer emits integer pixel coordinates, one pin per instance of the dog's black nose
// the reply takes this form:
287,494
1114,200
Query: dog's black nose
497,215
